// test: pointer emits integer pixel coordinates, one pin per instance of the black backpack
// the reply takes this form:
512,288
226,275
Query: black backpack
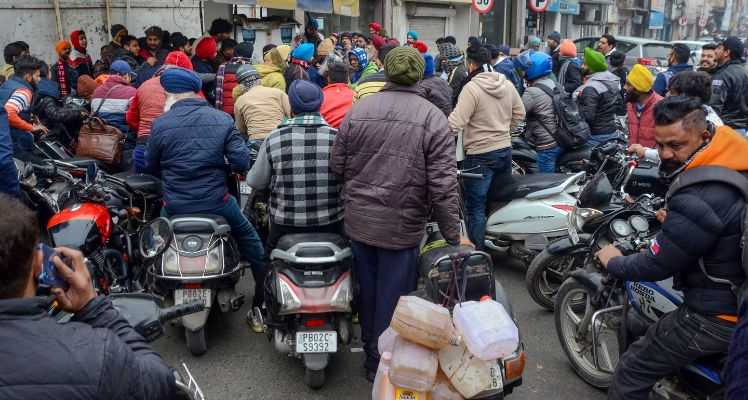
738,181
572,131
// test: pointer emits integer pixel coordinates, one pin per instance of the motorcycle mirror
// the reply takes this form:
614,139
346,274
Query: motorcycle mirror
142,311
155,238
91,171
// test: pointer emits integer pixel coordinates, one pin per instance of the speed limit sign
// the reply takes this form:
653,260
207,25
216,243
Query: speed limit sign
538,6
482,6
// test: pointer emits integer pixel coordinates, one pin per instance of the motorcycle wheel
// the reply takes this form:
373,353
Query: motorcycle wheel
546,274
573,309
314,379
197,342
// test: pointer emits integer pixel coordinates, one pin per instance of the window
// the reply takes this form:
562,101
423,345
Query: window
658,51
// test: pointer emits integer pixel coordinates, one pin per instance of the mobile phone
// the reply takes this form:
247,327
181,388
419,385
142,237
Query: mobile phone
49,276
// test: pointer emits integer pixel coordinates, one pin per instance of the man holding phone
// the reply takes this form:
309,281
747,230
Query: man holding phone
97,355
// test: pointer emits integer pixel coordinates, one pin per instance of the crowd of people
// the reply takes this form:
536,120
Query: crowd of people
370,117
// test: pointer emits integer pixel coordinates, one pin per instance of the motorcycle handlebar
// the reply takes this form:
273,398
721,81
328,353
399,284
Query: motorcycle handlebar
469,175
181,310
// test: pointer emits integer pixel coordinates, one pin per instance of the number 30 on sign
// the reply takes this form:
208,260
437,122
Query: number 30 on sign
482,6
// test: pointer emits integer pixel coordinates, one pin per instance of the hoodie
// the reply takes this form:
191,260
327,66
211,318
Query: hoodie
272,76
726,149
487,109
599,99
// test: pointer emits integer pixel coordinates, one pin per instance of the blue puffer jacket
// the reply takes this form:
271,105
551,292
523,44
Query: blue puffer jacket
188,149
8,173
506,68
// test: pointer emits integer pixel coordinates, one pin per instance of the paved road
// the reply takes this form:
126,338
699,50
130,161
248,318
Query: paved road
243,365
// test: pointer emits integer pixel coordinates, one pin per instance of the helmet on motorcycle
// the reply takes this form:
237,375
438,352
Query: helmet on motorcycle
534,64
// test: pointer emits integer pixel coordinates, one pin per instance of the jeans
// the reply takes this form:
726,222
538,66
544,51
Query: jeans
250,245
676,340
495,164
547,159
383,276
596,140
139,158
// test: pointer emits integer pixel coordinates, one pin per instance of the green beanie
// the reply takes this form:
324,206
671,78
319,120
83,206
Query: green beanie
404,66
594,60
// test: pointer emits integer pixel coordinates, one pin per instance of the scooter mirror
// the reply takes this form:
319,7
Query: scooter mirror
155,238
91,171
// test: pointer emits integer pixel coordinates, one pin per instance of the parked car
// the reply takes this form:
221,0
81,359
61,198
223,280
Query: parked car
648,52
695,46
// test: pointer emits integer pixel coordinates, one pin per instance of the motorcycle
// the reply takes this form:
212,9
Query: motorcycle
308,294
597,203
525,159
598,316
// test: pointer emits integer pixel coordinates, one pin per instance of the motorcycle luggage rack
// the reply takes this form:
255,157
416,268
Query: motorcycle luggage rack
291,257
190,387
595,316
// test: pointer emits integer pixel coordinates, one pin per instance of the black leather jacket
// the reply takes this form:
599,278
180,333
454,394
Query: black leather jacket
730,94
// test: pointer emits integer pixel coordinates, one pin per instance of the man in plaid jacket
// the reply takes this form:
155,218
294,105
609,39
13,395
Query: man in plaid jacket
294,162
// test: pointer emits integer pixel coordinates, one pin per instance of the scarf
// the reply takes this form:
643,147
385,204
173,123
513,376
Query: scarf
301,63
62,78
78,58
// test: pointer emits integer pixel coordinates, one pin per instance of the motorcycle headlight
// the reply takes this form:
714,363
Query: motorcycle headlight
343,295
287,299
581,215
215,261
169,262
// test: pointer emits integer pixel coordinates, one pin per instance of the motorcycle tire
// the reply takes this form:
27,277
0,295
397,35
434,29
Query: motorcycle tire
314,379
539,274
583,367
197,341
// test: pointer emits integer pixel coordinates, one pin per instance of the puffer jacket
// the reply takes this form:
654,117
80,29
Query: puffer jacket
396,157
703,221
146,106
540,115
97,355
642,127
729,99
59,119
599,99
457,80
114,97
226,78
272,76
187,148
437,91
506,68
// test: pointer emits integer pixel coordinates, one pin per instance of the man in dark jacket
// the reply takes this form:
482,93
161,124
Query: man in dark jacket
504,65
554,42
206,50
396,157
435,89
62,121
600,98
677,60
701,232
187,148
730,85
97,355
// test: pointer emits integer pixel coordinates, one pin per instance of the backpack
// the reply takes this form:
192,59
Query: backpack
736,180
572,130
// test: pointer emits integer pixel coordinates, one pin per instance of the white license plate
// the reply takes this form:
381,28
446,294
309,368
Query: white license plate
573,235
244,188
497,381
184,296
316,342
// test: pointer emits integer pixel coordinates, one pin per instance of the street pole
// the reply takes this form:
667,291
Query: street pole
58,19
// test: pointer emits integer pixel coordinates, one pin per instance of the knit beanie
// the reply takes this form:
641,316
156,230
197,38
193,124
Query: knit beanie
247,75
179,80
116,28
61,46
304,52
640,78
413,35
178,58
206,48
428,69
421,47
86,87
594,60
555,36
325,47
304,96
404,66
75,40
244,49
567,48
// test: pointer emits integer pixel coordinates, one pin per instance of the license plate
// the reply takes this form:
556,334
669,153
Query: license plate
497,381
244,188
407,394
184,296
317,342
573,235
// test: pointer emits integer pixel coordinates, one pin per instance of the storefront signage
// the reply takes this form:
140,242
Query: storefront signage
538,5
656,20
482,6
570,7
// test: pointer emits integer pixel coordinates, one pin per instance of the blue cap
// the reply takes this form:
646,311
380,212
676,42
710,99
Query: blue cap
179,80
121,67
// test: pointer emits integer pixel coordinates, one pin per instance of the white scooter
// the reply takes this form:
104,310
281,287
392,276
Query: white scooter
528,212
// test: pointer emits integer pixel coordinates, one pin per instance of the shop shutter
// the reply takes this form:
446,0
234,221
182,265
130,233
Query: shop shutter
429,29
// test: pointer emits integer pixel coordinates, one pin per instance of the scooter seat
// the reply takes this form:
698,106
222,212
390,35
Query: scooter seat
286,242
521,185
144,183
199,223
574,155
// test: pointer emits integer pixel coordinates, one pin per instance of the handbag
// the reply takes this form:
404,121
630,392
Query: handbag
99,140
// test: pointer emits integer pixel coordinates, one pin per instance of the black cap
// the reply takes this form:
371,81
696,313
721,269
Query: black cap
735,45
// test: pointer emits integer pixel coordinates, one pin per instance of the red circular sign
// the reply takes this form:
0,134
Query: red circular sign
482,6
538,5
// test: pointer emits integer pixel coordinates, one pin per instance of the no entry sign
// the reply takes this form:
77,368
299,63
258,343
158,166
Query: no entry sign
538,5
482,6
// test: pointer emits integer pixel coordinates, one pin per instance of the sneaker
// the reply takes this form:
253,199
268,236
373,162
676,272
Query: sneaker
256,320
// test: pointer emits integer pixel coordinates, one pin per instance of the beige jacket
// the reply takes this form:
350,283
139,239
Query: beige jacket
261,110
487,109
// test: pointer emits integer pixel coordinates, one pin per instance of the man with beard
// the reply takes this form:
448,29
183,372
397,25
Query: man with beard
699,244
62,73
730,85
708,62
640,103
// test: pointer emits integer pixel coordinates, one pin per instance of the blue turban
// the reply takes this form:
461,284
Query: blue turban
179,80
413,34
305,97
304,52
429,67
